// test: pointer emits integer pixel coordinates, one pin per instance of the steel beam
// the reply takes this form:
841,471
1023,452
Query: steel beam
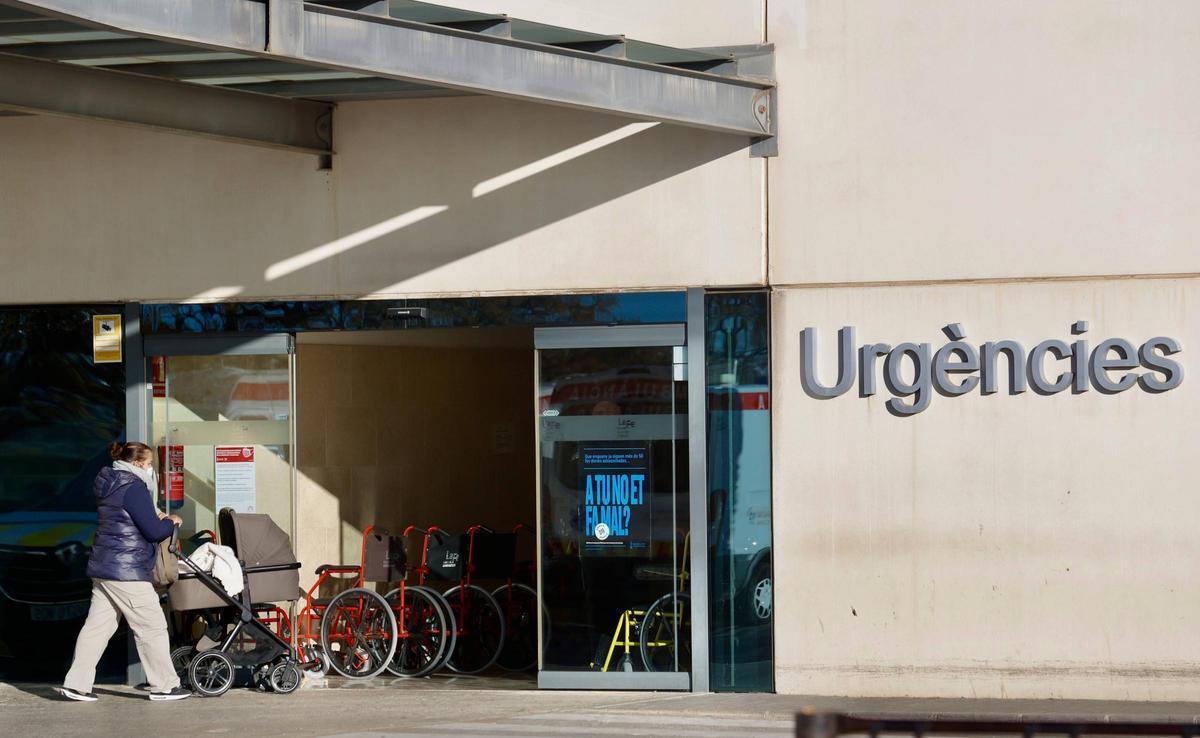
232,25
110,49
447,57
439,56
56,88
370,88
232,68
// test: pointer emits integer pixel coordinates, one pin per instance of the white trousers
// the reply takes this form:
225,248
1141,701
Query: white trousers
138,603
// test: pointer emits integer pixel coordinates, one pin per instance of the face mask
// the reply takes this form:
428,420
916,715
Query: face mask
146,475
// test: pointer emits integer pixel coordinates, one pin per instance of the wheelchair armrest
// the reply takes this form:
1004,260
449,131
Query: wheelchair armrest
333,569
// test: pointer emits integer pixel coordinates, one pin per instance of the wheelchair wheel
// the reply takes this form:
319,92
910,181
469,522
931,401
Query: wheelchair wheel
315,656
665,635
451,623
358,633
480,629
519,604
422,635
211,673
285,678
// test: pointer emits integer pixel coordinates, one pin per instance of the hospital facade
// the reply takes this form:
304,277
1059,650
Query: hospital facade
910,377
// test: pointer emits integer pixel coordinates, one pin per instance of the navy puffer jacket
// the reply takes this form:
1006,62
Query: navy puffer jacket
120,551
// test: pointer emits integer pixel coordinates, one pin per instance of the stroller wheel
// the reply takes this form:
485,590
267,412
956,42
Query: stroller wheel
211,673
285,678
181,659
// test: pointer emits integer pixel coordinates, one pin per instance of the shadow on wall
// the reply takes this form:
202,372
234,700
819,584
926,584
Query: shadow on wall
419,187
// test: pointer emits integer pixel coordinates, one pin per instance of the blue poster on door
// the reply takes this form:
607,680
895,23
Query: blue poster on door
616,513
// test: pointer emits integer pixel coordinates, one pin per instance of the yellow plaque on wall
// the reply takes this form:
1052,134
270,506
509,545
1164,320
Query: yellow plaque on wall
106,339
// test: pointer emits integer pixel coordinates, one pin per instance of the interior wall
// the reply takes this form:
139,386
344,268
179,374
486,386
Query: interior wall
399,435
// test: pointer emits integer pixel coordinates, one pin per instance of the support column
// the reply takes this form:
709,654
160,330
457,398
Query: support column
136,429
698,479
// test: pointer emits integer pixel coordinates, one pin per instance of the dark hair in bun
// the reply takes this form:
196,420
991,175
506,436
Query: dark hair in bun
130,451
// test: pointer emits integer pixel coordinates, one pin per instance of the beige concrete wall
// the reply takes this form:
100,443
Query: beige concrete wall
442,196
990,546
1008,545
395,436
930,140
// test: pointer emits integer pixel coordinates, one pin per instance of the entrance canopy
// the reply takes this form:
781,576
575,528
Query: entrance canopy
270,72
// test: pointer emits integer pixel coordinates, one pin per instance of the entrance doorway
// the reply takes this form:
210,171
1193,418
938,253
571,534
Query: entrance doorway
571,441
429,429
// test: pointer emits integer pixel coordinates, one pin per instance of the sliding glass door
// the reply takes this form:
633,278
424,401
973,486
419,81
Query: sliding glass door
613,508
221,419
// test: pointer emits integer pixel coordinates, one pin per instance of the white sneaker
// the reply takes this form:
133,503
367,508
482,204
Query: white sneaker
178,693
77,696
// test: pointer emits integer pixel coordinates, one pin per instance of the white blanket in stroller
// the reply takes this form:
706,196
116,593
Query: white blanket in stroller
222,563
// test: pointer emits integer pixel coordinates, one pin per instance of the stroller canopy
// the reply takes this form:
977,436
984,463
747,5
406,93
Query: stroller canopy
255,538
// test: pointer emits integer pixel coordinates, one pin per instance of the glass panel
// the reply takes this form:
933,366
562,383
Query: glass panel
58,412
326,315
223,428
739,491
612,433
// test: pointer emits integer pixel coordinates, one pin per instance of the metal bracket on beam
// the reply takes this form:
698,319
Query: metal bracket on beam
758,62
36,86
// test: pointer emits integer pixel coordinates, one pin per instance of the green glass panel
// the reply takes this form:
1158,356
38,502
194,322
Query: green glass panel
741,612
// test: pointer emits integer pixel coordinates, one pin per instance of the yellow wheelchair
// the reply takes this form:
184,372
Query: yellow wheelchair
661,633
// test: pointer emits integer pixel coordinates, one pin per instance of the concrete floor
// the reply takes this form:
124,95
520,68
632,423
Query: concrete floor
495,706
387,709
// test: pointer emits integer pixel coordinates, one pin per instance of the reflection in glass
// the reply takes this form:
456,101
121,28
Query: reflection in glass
58,412
614,509
328,315
739,491
233,408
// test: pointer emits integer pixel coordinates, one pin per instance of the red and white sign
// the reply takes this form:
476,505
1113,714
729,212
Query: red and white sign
234,477
158,375
170,460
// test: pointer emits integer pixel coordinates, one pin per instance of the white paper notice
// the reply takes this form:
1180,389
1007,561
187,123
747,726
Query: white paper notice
235,478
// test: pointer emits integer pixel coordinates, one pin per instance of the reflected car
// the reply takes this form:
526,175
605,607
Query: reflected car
259,396
739,477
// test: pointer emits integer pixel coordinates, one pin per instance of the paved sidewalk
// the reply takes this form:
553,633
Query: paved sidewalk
387,708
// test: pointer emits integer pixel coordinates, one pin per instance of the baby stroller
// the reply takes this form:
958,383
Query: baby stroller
235,639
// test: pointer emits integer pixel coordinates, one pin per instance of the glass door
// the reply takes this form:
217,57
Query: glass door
221,421
613,508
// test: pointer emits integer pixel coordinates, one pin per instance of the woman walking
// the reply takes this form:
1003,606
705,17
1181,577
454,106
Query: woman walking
121,569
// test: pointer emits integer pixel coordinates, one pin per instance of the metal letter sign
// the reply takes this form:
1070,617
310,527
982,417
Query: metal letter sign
1052,367
106,339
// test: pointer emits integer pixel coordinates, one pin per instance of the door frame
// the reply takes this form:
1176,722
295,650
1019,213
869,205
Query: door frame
139,347
682,337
